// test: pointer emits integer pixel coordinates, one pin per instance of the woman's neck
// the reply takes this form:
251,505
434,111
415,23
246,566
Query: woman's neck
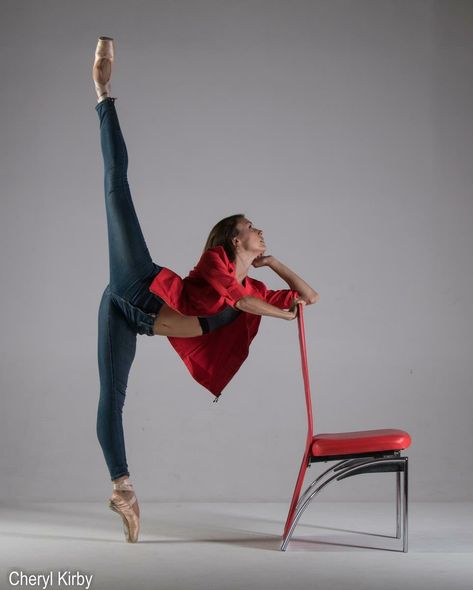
243,261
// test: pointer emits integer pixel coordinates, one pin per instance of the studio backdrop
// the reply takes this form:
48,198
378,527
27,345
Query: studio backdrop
344,130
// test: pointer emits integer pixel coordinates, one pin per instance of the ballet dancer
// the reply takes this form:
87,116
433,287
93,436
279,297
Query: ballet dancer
210,317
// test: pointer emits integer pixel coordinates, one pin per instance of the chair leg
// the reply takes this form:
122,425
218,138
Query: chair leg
398,504
345,471
297,491
334,468
406,483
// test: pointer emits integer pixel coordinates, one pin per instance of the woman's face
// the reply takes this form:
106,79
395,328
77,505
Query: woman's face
250,238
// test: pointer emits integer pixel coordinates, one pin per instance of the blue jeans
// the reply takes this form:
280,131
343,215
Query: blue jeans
127,307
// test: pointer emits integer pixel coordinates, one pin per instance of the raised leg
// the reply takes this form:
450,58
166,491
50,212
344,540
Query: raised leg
129,258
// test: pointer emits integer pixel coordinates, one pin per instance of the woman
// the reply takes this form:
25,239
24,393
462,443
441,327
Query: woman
210,317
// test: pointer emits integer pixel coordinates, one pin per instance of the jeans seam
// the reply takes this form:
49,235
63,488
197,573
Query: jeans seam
114,396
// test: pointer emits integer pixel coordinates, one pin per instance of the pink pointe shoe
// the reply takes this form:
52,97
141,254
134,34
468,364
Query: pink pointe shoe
131,521
102,68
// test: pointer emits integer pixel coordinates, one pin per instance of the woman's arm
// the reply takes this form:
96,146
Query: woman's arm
258,306
294,281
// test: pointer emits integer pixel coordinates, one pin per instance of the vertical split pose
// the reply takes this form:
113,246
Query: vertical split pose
210,317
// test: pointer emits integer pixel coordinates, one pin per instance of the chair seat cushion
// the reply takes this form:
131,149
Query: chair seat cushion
362,441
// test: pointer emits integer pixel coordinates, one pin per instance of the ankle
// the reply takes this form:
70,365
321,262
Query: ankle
102,96
121,478
123,484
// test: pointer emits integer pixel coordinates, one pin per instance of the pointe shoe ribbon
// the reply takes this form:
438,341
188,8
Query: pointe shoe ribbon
102,68
131,521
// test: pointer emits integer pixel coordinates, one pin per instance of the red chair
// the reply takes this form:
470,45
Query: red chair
366,451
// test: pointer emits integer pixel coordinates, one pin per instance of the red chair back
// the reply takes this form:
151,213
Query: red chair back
305,372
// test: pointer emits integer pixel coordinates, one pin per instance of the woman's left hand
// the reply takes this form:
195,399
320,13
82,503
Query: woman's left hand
262,260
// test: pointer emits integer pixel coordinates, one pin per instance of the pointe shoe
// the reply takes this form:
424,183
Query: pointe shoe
102,68
131,521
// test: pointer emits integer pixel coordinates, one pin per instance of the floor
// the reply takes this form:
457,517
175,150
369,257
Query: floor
235,546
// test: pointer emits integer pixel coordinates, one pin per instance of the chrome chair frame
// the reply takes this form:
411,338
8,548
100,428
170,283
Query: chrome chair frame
348,465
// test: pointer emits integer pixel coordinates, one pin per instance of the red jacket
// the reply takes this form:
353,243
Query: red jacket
214,358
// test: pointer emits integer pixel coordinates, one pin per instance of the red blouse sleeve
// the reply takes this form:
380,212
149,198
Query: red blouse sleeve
281,298
221,276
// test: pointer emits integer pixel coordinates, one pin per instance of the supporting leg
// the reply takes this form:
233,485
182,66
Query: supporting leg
116,351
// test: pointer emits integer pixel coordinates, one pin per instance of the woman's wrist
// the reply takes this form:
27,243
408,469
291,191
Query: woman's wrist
292,314
272,262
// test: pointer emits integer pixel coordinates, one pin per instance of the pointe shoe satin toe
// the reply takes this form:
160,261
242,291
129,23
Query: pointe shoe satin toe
131,521
102,68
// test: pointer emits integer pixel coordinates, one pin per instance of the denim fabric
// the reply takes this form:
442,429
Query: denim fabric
127,307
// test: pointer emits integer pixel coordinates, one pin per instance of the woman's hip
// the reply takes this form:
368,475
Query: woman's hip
141,321
139,295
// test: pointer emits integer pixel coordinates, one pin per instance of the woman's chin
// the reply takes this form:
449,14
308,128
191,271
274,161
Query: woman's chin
259,251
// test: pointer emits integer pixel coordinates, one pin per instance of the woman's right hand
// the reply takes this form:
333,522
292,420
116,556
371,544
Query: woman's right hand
292,313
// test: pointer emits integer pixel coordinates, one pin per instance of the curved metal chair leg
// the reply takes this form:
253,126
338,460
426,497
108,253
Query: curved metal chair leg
346,471
317,479
348,463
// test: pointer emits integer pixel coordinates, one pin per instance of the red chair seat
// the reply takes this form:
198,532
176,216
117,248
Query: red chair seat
362,441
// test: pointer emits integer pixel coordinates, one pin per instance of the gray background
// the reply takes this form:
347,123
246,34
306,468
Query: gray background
343,129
